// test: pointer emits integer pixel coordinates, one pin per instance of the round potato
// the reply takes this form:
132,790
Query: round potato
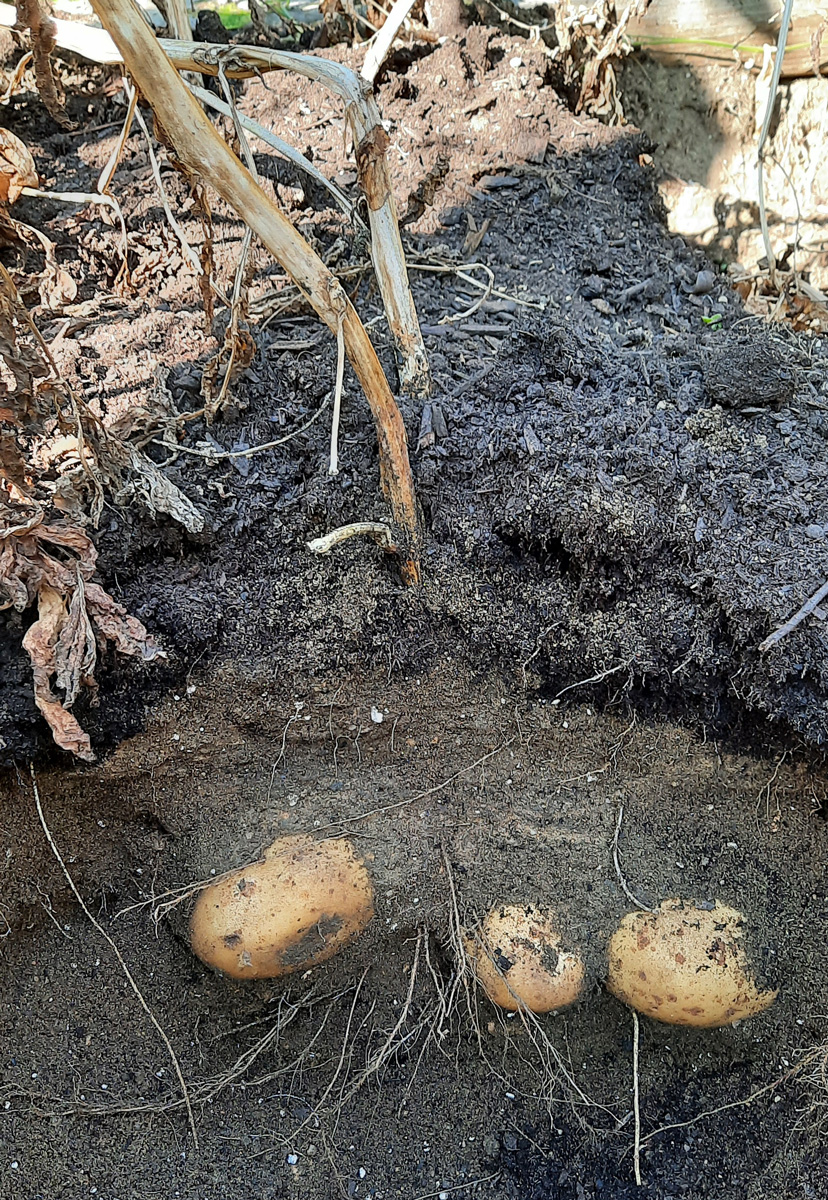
519,963
685,966
295,908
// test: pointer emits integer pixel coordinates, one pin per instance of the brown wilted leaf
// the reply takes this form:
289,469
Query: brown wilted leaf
62,641
148,484
76,651
17,169
39,643
239,349
115,624
12,466
56,287
20,352
425,192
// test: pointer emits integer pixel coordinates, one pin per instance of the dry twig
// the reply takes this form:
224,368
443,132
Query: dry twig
765,131
382,42
799,616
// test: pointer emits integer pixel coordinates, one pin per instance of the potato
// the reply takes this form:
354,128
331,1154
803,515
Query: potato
685,966
518,960
295,908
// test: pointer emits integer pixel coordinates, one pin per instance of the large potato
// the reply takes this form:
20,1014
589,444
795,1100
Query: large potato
685,965
518,960
295,908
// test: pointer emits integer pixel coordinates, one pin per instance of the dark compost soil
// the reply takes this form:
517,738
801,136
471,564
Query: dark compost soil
621,504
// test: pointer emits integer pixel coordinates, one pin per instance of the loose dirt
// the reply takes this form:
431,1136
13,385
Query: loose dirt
614,521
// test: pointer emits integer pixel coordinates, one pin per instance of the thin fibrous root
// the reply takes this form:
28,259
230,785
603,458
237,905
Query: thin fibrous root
129,977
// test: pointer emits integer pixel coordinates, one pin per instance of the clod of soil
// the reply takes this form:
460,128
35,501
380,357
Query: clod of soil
519,961
304,902
685,965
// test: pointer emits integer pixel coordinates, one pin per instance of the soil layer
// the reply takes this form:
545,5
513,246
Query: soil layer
624,494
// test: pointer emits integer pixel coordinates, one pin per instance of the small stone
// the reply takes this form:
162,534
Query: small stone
817,532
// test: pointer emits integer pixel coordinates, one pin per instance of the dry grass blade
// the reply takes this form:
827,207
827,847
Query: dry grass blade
281,147
203,152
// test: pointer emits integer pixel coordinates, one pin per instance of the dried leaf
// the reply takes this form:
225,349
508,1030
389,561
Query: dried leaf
62,641
115,624
150,485
22,355
425,192
71,538
76,651
13,590
67,499
17,169
239,349
57,288
12,466
39,643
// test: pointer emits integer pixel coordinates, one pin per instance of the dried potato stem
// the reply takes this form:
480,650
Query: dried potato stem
203,152
370,139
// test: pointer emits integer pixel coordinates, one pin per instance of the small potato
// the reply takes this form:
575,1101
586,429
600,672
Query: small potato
518,961
297,907
685,966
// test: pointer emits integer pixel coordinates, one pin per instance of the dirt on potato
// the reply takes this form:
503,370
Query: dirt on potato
615,520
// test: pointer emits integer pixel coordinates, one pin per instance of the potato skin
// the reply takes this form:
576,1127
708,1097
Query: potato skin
294,909
518,961
685,966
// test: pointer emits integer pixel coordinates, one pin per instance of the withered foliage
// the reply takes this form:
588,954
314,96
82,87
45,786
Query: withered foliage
590,41
17,169
52,566
56,459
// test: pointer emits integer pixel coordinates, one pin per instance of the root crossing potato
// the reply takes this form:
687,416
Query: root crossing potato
685,965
